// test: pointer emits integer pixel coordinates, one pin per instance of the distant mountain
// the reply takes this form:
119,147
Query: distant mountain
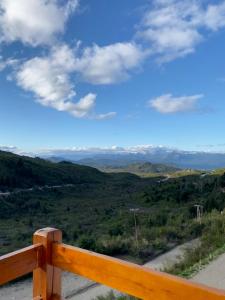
123,156
107,160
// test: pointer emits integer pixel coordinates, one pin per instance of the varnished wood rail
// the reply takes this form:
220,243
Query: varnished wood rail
48,256
129,278
19,263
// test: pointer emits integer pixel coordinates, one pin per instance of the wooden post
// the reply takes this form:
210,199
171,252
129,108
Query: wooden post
47,279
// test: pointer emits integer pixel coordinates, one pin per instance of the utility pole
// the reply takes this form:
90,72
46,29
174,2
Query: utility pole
199,211
134,210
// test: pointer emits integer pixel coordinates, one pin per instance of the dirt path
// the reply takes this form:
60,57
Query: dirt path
75,287
171,257
38,188
214,274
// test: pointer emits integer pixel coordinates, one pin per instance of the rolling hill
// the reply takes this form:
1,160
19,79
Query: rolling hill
142,169
25,172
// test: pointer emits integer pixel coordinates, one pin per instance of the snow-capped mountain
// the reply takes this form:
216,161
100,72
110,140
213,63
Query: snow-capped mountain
119,156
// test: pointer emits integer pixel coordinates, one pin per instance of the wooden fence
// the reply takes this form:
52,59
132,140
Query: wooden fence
48,256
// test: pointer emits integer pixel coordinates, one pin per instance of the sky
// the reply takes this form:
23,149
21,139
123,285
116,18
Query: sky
99,73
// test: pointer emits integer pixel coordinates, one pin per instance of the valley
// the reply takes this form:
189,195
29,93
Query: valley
98,211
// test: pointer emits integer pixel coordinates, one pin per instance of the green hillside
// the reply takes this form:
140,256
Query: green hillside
96,211
24,172
143,169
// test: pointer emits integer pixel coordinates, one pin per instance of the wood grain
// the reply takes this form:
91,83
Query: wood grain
47,278
129,278
19,263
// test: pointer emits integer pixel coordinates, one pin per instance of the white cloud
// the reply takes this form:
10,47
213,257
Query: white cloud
37,22
105,116
215,16
109,64
173,28
10,149
144,149
33,22
49,79
169,29
168,104
4,63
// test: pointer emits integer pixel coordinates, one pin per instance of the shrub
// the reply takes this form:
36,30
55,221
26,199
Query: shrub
114,245
87,242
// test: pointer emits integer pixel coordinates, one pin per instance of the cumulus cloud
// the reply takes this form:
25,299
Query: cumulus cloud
109,64
168,104
33,22
49,79
214,17
48,76
174,28
169,29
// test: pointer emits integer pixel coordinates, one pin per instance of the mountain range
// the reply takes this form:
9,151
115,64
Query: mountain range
124,156
117,157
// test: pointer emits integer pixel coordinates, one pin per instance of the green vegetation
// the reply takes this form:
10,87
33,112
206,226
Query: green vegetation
142,169
186,172
25,172
96,211
211,246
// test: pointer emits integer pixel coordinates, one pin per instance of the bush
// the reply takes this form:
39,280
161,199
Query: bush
116,230
87,242
212,244
114,245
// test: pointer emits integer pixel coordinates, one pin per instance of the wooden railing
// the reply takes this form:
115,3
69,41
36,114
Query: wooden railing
48,256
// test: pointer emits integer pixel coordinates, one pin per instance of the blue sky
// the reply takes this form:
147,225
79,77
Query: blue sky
103,73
